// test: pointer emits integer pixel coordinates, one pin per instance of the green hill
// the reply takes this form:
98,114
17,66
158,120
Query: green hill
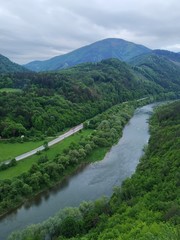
175,57
6,66
158,69
104,49
52,101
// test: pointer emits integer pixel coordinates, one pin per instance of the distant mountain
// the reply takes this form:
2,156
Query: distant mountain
104,49
6,66
175,57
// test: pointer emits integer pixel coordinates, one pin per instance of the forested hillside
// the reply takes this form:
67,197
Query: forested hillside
49,102
175,57
6,66
145,207
158,69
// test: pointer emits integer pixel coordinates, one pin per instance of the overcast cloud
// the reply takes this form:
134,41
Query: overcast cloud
40,29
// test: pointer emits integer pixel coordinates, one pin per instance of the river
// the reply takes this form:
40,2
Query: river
89,182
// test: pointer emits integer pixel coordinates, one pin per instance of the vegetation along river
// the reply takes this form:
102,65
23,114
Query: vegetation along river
89,182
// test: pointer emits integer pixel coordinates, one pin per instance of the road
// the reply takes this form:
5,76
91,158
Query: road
51,143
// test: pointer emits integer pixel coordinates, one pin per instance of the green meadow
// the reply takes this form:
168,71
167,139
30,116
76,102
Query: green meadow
11,150
24,165
10,90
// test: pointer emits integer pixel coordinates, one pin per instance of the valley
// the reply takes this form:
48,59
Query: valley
99,86
90,181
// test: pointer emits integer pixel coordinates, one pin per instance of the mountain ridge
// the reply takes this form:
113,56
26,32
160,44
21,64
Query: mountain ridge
95,52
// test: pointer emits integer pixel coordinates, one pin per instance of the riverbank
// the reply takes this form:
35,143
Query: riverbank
91,182
145,207
95,180
108,128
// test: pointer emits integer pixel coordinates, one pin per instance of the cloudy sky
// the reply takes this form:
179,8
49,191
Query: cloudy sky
40,29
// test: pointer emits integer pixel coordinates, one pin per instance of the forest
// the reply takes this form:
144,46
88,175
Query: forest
43,104
101,95
145,207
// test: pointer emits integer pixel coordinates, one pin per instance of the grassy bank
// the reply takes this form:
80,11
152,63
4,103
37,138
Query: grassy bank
24,165
12,150
40,172
9,90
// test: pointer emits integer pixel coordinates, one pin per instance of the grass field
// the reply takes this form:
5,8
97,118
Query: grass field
10,90
25,165
98,154
11,150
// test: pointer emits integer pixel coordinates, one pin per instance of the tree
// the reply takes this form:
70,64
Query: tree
70,227
45,145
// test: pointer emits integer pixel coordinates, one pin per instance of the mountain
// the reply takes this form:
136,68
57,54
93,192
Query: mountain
104,49
172,56
6,66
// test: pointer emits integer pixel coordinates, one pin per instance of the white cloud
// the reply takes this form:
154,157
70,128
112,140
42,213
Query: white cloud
39,29
175,47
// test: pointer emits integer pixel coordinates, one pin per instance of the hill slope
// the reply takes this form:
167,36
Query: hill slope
50,101
104,49
158,69
6,66
172,56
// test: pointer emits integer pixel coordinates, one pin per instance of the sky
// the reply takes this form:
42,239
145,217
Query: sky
41,29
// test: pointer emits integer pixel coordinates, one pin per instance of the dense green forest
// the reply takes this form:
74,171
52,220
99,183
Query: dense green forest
158,69
37,105
145,207
50,102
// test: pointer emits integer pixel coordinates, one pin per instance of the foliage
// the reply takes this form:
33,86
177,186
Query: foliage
5,166
159,70
50,102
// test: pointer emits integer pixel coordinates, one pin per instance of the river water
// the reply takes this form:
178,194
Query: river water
89,182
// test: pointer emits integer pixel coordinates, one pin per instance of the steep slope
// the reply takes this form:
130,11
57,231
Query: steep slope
6,66
104,49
